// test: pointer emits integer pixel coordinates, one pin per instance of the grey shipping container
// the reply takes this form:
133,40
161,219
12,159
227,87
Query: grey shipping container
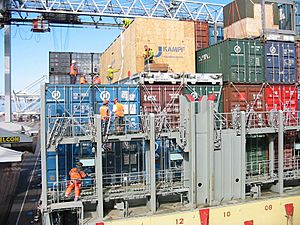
240,61
59,62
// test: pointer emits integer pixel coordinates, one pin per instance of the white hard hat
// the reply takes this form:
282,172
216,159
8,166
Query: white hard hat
109,66
73,61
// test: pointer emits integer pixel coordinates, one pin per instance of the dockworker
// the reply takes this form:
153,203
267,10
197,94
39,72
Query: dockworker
97,79
118,111
126,22
76,175
83,79
105,115
73,72
110,73
148,54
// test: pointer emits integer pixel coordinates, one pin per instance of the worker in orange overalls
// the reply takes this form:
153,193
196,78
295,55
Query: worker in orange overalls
118,110
76,175
97,79
73,72
104,114
83,79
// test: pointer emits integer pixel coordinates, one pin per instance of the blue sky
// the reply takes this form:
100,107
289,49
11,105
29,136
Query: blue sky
30,51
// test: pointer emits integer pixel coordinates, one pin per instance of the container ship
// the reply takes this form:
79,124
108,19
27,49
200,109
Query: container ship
177,122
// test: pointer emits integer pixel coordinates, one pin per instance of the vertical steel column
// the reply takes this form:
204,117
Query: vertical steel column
152,164
271,156
99,181
7,72
192,156
215,33
243,155
43,147
210,149
280,152
279,186
263,16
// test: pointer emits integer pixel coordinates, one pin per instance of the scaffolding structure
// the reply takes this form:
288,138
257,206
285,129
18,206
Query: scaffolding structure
217,140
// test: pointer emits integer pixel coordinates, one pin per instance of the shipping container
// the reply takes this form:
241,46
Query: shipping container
280,62
283,97
256,154
213,92
59,66
289,141
220,34
59,63
201,32
240,61
83,101
243,18
160,98
59,163
243,98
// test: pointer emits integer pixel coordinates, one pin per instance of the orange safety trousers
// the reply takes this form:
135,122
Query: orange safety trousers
73,184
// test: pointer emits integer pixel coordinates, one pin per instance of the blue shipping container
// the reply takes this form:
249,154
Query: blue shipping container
280,62
220,35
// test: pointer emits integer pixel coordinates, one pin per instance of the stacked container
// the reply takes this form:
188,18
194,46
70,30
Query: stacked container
59,66
81,102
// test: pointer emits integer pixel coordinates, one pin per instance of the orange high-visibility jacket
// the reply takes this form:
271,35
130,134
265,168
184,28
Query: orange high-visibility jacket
97,80
73,70
119,110
75,174
104,112
82,80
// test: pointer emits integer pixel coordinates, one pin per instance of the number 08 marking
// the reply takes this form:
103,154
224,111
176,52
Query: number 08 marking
268,207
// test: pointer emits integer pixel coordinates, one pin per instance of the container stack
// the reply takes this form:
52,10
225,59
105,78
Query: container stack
59,65
259,75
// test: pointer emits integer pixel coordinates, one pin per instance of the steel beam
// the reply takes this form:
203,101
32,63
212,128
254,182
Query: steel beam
7,72
162,9
43,147
152,165
98,165
280,152
271,156
278,187
243,156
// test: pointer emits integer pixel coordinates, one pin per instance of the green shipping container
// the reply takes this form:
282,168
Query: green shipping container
240,61
213,92
256,154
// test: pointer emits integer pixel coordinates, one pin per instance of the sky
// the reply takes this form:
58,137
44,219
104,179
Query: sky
30,51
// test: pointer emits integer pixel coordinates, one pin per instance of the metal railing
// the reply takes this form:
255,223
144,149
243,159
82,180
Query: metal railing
258,171
292,168
255,119
171,180
75,126
87,189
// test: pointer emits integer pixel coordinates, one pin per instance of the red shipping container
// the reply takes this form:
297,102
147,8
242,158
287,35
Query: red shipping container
244,97
283,97
288,150
201,35
159,98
